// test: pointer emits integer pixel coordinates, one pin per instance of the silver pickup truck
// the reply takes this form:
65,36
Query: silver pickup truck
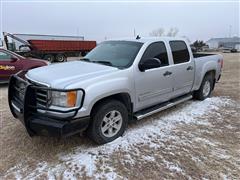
117,82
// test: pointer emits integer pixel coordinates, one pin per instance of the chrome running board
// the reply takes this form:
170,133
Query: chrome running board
155,109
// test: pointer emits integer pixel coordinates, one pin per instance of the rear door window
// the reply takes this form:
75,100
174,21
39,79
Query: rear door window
179,51
157,50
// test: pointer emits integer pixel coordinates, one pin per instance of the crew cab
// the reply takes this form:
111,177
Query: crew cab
11,63
117,82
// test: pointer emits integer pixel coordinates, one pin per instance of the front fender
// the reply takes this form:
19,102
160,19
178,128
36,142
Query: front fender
103,89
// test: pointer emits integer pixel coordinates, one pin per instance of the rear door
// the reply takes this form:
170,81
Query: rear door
9,65
183,71
154,86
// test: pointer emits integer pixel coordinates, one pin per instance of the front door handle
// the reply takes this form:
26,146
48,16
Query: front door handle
167,73
189,68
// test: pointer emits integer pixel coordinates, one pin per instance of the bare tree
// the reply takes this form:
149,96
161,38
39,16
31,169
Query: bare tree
172,32
161,32
157,32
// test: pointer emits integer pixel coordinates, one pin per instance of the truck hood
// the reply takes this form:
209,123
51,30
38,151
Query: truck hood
64,74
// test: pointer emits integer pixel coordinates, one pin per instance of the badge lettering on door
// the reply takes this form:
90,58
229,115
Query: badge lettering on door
5,68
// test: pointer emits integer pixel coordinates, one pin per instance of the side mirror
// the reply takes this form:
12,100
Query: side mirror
13,59
24,48
149,64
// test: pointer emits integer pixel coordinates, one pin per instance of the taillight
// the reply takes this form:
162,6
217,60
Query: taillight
221,62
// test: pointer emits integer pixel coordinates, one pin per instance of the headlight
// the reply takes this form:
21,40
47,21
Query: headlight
66,99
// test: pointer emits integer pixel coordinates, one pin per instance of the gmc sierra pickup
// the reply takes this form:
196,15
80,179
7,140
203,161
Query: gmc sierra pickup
118,81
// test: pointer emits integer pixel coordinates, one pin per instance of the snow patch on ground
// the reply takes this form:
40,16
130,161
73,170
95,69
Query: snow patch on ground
84,159
173,167
148,158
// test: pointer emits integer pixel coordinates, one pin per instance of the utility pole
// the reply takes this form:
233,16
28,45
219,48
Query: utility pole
134,32
230,31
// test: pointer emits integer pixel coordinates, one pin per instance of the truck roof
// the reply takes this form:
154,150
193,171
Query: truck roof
149,39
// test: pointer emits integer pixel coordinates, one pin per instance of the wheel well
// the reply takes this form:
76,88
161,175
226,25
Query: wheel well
122,97
212,73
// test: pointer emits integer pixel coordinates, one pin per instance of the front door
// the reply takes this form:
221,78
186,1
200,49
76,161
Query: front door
154,86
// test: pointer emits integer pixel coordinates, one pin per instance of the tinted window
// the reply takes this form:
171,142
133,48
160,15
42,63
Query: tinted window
179,51
5,56
117,53
157,50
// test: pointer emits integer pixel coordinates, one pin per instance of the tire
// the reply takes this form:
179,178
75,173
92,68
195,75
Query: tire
83,53
49,57
205,89
233,50
61,58
102,128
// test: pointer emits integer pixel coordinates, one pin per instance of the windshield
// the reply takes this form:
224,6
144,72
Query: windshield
119,54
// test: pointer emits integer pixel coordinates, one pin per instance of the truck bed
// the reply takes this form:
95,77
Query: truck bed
197,55
203,63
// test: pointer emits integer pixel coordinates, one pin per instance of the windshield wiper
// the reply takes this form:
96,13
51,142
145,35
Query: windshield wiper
100,62
85,59
103,62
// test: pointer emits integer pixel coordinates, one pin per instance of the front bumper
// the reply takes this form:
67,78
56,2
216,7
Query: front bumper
23,105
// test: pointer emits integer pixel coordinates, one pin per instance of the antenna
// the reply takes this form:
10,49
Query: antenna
138,37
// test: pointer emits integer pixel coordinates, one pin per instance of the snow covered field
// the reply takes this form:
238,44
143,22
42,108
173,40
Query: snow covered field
89,161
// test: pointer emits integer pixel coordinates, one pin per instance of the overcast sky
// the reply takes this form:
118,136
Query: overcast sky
112,20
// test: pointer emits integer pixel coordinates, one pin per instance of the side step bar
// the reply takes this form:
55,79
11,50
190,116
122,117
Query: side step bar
152,110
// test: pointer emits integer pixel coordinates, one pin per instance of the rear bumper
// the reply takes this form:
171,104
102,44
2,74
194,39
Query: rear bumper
23,105
219,77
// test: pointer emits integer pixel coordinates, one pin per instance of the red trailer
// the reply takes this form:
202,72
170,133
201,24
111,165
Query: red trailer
60,49
51,50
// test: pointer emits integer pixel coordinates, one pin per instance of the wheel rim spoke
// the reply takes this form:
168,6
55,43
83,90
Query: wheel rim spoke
117,118
115,126
111,123
112,114
105,127
105,119
110,130
206,88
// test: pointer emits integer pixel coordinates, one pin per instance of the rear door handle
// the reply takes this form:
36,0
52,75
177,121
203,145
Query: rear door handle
189,68
167,73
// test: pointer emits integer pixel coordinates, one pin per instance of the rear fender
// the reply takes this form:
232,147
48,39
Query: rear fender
200,74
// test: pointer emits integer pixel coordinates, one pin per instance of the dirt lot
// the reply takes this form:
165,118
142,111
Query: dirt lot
193,140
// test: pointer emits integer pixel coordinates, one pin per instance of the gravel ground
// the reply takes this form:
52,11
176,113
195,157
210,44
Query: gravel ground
195,140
